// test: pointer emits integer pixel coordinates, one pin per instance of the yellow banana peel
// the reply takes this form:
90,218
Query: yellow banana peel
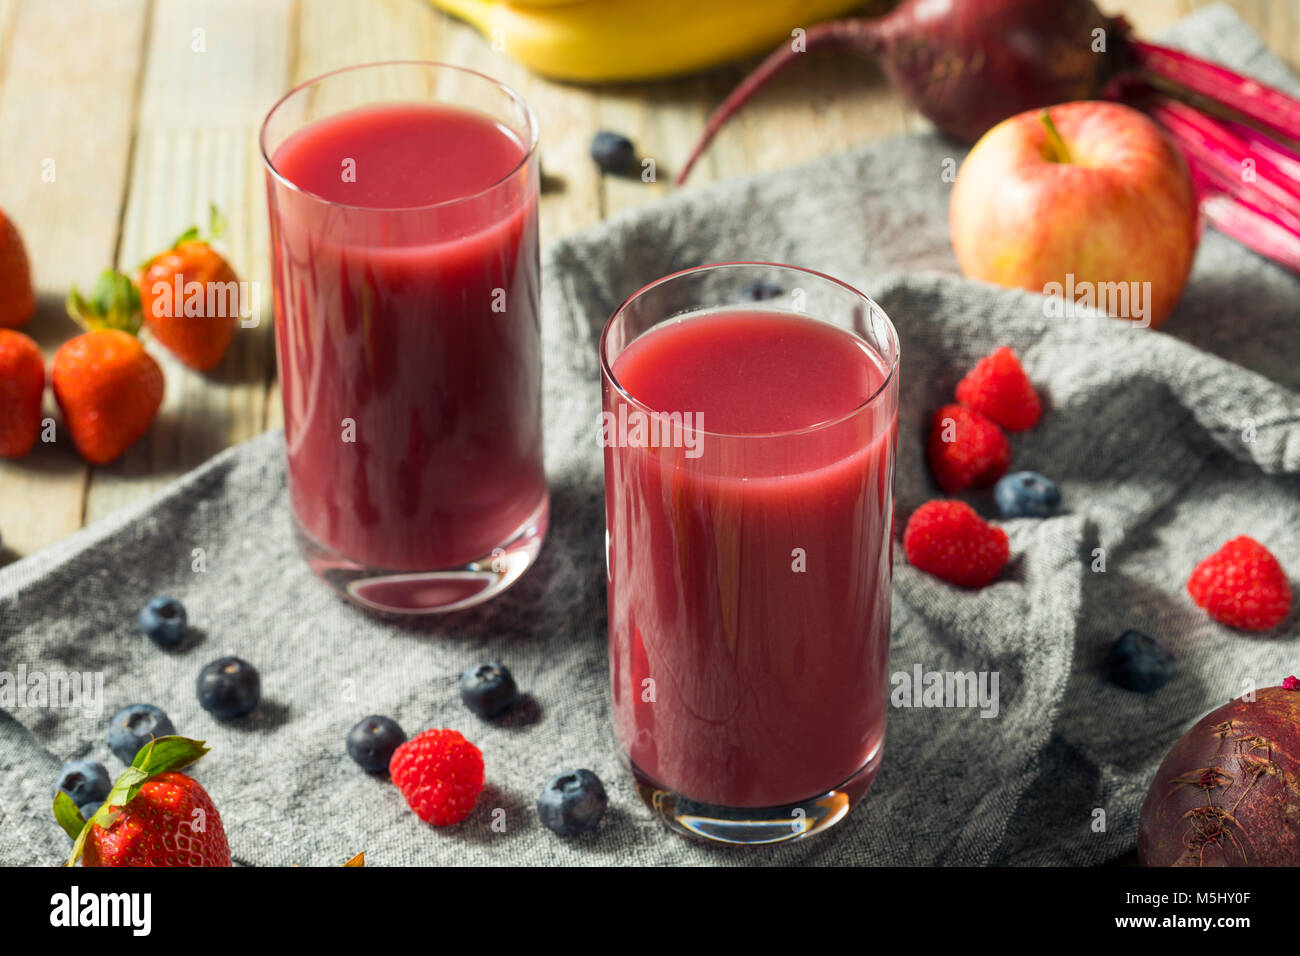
540,3
600,40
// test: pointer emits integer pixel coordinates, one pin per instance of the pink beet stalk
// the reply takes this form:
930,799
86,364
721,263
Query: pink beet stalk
1221,158
860,34
1258,144
1252,227
1261,104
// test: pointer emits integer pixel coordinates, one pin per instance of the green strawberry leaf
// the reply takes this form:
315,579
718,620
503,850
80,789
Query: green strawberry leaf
216,223
189,235
216,229
77,846
172,752
67,815
114,303
104,817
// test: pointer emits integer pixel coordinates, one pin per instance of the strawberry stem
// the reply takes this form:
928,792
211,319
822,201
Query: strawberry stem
114,303
216,229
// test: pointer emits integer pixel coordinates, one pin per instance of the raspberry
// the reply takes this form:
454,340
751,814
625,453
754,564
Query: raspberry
998,388
966,450
949,540
440,774
1242,585
1291,683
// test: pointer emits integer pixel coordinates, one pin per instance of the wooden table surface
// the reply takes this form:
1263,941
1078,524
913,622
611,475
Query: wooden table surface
116,131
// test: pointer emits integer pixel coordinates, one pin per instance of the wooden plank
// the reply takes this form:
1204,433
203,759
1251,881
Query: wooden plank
1277,21
8,10
70,72
566,118
330,34
335,33
820,104
662,119
213,69
338,33
826,101
1149,17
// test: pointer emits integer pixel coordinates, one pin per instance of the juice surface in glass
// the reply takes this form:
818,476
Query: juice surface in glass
750,584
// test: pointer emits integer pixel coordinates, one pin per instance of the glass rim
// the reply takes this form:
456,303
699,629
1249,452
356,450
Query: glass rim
607,368
530,147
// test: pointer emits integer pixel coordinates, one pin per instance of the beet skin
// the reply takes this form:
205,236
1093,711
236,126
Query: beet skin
1228,792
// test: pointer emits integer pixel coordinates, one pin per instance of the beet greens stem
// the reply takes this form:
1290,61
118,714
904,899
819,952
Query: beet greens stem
1265,105
862,34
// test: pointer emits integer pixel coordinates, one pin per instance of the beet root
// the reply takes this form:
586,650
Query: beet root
965,65
1228,791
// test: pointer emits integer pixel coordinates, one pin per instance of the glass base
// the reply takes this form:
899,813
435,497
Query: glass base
749,826
428,592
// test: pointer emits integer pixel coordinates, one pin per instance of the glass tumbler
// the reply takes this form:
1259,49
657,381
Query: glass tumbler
403,210
749,567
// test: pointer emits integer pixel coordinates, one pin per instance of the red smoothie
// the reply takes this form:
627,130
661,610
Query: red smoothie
750,581
406,279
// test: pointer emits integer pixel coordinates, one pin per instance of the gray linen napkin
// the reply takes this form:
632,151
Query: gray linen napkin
1144,431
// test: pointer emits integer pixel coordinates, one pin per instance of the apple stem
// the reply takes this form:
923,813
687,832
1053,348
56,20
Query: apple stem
1056,145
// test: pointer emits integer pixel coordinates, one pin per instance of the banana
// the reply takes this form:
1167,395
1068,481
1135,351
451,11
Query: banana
596,40
539,3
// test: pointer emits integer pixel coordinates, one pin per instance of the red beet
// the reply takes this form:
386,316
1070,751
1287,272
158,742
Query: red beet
964,64
1228,792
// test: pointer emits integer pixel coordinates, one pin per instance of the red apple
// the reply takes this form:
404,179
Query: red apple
1088,201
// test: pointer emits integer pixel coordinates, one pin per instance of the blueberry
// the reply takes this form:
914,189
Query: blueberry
83,780
229,687
134,726
761,291
1027,494
1139,662
163,621
372,740
488,689
613,152
573,802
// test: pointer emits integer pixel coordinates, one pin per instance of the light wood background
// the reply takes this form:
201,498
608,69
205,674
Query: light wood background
143,133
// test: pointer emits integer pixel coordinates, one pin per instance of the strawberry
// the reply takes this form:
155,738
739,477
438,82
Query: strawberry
153,816
17,296
965,449
109,390
998,388
107,386
197,324
1243,586
22,381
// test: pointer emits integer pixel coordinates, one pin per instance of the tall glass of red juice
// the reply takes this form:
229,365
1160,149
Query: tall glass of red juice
403,208
749,422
